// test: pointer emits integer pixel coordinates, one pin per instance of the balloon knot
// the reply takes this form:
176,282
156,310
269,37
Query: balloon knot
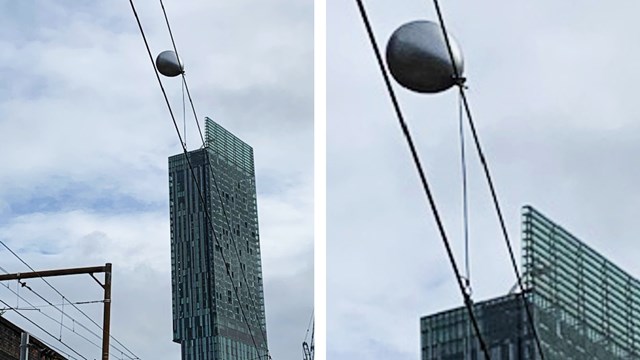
460,80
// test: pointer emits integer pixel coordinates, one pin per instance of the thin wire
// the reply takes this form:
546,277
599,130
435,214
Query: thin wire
407,134
184,116
184,79
34,307
59,293
308,327
313,333
235,246
24,284
465,199
62,318
43,330
485,167
212,173
42,306
98,336
202,199
468,343
54,348
49,345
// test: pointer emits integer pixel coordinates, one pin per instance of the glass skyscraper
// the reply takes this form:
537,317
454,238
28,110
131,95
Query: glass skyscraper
584,306
215,251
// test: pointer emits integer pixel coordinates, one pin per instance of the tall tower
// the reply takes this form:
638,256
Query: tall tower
216,271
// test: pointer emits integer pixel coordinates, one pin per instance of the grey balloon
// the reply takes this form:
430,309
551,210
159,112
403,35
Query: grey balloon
418,58
168,64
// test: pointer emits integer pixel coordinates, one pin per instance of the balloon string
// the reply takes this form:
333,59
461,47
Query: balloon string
184,115
465,199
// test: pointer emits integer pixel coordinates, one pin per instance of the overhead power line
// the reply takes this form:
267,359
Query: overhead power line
425,185
194,178
184,78
43,330
485,167
64,297
34,307
211,172
38,307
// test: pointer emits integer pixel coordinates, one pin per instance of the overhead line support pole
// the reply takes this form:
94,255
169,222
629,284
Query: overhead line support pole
106,314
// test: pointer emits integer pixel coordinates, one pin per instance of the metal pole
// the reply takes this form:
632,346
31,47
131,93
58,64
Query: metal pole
49,273
24,346
106,321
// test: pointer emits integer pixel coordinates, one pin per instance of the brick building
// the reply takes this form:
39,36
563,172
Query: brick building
10,336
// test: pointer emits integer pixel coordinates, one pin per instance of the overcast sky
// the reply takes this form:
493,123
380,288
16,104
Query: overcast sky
85,140
552,87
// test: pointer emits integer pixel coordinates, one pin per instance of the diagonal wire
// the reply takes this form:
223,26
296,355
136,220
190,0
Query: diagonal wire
235,246
59,293
42,329
308,327
50,317
485,167
212,173
202,199
184,79
407,134
49,304
54,348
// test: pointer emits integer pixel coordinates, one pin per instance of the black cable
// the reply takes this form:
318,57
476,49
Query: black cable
63,314
42,329
423,179
71,318
194,178
212,173
235,246
50,317
485,167
46,315
37,307
184,79
59,293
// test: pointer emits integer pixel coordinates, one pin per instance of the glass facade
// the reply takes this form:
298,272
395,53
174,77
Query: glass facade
589,294
584,307
449,336
208,320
